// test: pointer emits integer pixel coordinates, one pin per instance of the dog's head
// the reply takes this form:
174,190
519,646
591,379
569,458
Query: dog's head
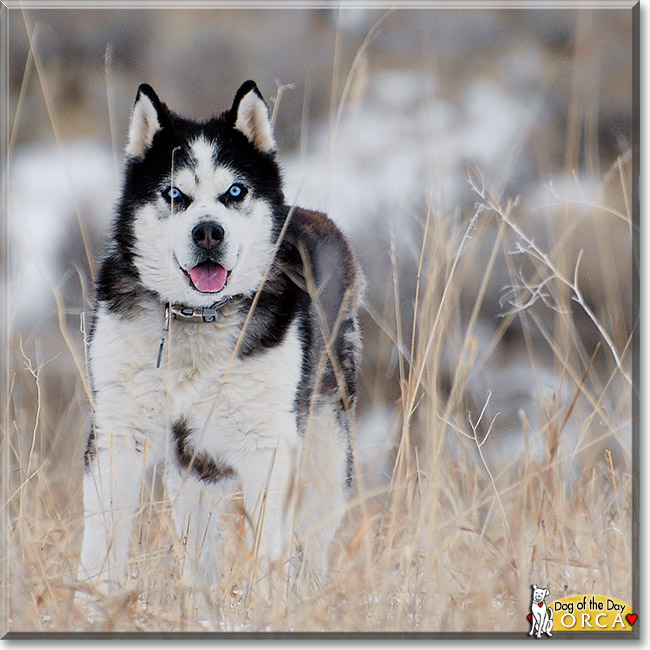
202,201
539,593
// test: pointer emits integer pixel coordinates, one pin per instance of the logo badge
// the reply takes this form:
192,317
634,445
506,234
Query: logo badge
582,613
541,615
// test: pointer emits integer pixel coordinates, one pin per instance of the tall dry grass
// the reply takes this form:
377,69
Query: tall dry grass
450,544
470,516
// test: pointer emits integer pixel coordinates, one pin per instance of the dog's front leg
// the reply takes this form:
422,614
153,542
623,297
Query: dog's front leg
197,509
112,482
268,477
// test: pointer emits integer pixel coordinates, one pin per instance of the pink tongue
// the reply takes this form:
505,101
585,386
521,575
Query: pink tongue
208,277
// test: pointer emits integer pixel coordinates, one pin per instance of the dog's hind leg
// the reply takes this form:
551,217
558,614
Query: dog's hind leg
112,482
323,489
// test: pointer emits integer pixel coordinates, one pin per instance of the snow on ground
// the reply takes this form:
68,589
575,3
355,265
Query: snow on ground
402,141
52,190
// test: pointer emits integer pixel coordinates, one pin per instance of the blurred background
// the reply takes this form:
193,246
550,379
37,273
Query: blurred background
480,161
405,126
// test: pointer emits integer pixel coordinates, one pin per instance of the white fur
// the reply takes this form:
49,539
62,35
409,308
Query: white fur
164,243
253,121
323,472
239,410
144,125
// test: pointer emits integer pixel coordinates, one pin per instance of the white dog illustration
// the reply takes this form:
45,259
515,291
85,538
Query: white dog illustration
542,616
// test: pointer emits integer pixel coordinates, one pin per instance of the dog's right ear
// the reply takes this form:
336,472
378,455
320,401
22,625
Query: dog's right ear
148,116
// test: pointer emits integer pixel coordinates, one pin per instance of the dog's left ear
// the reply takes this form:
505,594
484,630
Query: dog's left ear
250,115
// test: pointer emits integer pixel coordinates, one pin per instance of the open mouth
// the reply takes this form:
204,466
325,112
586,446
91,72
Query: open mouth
208,277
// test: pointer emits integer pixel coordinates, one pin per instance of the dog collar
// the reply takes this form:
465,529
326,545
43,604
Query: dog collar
196,314
189,315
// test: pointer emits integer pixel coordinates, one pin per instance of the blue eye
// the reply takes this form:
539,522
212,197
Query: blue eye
176,199
236,191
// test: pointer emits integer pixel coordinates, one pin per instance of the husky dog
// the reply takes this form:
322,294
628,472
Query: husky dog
224,347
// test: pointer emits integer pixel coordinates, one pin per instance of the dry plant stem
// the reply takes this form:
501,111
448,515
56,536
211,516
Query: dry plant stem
578,390
29,65
35,372
353,69
418,282
398,312
457,383
407,396
598,409
612,476
278,98
588,204
533,250
59,141
80,362
434,328
479,446
261,502
108,66
626,199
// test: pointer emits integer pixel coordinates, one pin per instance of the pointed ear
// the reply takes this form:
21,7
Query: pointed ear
148,116
250,115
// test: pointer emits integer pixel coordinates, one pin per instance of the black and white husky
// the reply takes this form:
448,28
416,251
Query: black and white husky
224,347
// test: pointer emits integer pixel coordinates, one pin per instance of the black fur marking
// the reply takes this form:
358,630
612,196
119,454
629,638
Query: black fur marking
91,448
202,466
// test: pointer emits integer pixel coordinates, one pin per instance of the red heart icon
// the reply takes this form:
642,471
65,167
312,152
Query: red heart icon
631,618
540,604
530,617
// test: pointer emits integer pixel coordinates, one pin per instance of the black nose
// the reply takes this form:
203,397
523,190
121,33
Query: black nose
207,234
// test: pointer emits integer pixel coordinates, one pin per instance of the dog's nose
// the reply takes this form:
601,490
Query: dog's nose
207,234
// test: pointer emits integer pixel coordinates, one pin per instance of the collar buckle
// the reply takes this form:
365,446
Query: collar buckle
198,314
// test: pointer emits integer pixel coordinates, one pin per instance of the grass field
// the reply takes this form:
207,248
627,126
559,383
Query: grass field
476,504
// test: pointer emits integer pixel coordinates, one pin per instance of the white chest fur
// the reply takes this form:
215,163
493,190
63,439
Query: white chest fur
229,403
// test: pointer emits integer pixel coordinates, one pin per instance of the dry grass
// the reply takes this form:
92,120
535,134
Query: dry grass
450,544
471,515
